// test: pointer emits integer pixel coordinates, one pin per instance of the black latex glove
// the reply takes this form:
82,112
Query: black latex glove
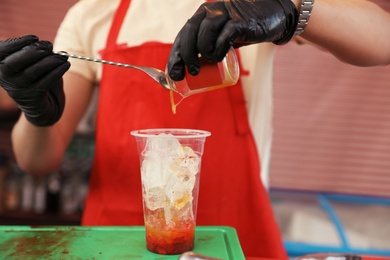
216,26
32,75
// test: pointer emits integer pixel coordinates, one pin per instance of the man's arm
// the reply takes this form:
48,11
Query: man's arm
39,150
355,31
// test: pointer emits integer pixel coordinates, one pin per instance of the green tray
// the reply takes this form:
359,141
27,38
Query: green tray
75,242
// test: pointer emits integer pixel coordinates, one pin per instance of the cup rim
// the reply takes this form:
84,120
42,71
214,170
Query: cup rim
187,133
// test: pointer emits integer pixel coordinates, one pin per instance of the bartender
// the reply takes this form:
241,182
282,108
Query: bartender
54,96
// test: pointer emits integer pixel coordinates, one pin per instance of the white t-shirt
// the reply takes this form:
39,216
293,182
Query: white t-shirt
84,32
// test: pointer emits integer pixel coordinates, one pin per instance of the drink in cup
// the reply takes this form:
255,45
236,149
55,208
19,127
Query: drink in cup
170,168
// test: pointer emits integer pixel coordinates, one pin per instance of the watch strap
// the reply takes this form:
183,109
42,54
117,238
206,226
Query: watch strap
305,9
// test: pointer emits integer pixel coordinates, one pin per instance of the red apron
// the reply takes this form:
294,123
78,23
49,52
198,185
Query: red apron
231,192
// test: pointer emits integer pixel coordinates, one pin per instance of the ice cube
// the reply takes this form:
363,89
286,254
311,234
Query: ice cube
179,188
187,161
155,198
165,145
156,159
168,173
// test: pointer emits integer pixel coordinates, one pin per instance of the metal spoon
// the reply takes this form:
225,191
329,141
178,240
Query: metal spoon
154,73
195,256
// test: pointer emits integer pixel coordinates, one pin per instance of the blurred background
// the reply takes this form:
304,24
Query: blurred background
330,167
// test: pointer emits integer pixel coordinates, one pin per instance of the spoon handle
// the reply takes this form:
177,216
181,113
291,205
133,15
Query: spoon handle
156,74
123,65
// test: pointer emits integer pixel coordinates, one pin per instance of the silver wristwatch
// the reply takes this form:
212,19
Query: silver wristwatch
304,15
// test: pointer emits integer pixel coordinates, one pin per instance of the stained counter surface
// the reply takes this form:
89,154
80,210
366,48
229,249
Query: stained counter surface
75,242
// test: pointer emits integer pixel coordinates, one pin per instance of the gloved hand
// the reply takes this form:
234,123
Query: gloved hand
216,26
32,75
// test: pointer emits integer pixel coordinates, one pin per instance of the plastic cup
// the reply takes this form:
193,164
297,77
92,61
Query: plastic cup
212,75
170,169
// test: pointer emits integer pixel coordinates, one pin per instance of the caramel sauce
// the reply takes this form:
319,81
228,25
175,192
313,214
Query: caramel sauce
174,104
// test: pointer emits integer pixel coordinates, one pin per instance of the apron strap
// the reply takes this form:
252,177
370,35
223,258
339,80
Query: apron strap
238,101
116,24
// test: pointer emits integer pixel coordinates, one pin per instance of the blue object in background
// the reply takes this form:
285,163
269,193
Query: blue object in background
324,201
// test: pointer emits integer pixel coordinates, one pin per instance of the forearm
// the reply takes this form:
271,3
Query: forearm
355,31
38,150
